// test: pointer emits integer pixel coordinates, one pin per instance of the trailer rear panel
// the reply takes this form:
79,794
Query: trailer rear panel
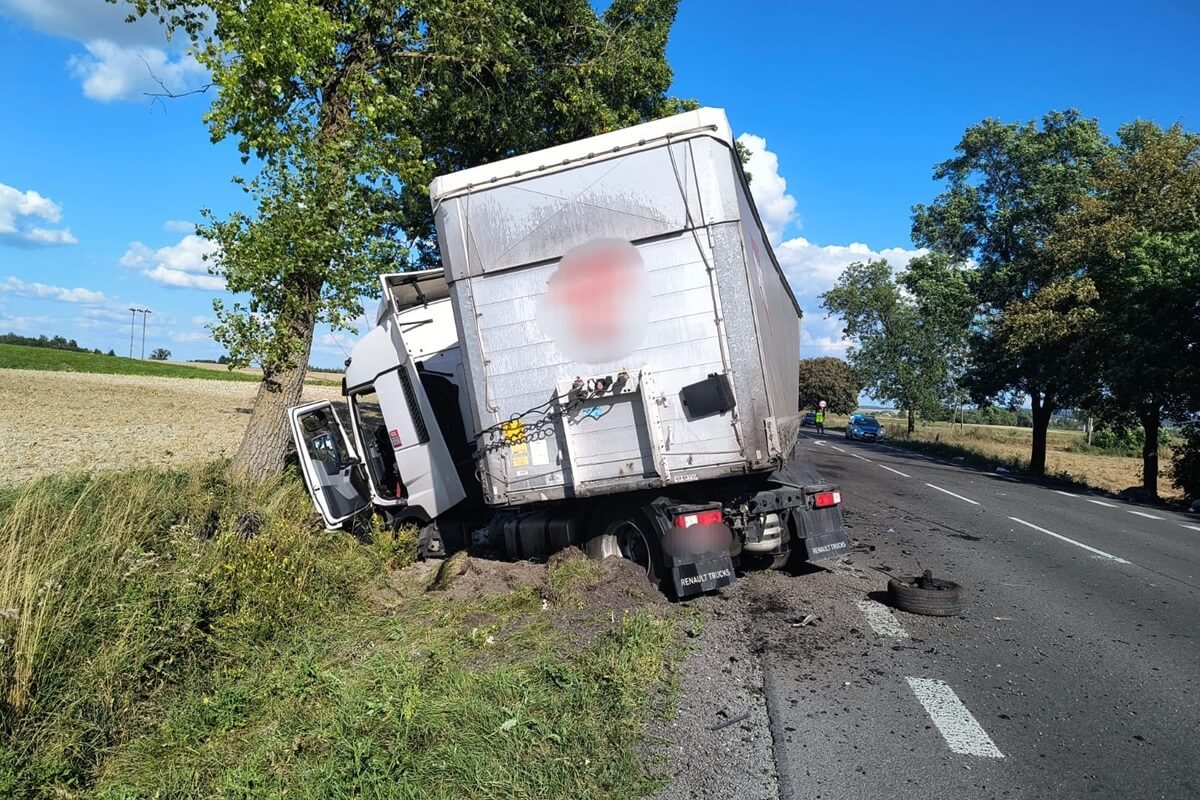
706,387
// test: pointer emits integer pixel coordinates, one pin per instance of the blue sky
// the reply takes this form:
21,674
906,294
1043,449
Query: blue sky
847,106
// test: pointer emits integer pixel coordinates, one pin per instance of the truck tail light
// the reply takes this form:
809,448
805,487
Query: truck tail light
712,517
827,499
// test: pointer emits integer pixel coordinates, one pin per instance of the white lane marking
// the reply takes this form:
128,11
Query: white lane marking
952,494
1101,503
1189,527
1089,548
898,472
880,618
960,729
1143,514
818,441
1065,494
860,458
835,447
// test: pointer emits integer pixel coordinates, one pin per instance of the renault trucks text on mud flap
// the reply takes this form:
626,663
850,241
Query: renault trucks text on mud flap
608,358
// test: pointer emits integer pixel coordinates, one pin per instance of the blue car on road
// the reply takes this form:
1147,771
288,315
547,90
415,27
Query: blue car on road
864,429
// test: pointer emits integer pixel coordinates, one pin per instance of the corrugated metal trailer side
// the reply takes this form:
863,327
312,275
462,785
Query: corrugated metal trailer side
718,306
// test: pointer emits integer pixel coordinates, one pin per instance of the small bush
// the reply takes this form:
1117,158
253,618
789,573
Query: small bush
1185,465
1120,441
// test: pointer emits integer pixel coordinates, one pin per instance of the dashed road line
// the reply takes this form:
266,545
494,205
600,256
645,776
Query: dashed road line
898,472
880,618
1089,548
860,458
1101,503
952,494
1065,494
958,726
1189,527
1142,514
835,447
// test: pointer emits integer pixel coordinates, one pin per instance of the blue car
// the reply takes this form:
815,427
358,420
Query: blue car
864,429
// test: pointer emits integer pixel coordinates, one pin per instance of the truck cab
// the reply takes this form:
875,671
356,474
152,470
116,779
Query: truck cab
387,447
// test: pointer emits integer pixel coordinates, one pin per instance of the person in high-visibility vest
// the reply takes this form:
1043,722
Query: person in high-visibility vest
820,420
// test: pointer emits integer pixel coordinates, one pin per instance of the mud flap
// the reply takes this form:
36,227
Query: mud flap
698,577
825,546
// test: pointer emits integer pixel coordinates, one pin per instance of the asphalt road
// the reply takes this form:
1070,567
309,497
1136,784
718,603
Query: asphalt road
1073,673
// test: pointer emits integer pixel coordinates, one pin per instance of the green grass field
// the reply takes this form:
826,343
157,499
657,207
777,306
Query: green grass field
14,356
164,633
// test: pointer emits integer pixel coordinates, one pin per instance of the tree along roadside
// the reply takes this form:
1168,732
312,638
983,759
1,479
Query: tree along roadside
1006,188
1137,239
902,352
829,379
351,109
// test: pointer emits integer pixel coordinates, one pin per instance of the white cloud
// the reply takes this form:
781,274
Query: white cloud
60,293
122,60
189,336
18,212
811,269
99,314
180,264
84,20
776,208
111,71
179,226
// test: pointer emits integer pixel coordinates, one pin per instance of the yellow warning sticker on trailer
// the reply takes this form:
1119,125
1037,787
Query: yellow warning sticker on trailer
514,435
513,431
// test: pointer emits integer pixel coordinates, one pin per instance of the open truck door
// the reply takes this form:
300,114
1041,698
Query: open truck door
331,467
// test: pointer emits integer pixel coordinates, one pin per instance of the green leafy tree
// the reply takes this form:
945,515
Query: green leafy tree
829,379
896,354
1138,240
350,107
160,354
1006,188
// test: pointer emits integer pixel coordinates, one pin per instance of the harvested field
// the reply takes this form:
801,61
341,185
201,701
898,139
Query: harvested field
56,421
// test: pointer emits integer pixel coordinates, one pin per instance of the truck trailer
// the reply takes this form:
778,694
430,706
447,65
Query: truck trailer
608,358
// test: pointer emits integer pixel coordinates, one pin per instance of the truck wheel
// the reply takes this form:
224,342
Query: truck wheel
627,537
927,595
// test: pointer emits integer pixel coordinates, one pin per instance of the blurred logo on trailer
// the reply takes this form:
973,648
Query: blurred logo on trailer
597,302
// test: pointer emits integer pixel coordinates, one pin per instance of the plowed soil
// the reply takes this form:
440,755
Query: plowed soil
56,421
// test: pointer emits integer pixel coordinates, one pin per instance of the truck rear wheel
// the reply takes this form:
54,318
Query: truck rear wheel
626,536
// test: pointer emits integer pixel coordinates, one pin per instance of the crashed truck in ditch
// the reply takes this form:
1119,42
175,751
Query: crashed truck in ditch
608,359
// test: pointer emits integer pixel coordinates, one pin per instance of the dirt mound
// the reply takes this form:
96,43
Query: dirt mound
622,584
481,577
568,578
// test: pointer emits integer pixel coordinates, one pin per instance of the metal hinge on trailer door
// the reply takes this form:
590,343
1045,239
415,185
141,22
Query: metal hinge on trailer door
772,435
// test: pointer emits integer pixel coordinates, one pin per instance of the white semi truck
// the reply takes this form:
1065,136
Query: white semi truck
608,358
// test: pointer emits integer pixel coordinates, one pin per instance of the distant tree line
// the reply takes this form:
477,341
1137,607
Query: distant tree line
1063,270
51,342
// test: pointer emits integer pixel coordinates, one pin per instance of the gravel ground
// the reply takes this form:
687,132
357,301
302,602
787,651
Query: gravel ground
719,744
56,421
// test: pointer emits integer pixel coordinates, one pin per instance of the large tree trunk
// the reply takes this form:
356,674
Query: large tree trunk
912,421
1151,418
1042,409
267,441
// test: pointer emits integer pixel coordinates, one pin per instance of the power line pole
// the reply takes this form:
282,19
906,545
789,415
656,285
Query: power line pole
145,313
132,317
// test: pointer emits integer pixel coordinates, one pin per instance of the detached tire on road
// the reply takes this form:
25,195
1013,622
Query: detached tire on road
927,595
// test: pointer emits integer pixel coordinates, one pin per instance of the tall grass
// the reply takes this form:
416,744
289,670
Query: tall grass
166,634
114,585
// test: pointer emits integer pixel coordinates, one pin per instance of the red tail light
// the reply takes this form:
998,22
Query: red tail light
826,499
712,517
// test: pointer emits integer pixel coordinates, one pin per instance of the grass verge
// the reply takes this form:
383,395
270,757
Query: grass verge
165,634
13,356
